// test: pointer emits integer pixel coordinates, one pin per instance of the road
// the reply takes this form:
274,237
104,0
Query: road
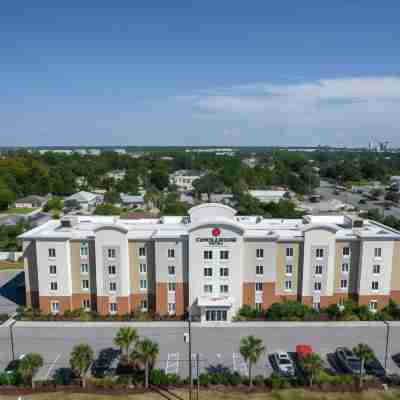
216,345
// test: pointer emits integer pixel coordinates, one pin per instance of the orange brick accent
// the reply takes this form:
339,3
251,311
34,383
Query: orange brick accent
307,300
161,298
102,305
181,297
123,305
77,300
32,299
395,295
381,299
269,295
44,302
249,291
137,297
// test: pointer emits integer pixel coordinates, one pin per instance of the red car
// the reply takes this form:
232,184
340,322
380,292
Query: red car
302,350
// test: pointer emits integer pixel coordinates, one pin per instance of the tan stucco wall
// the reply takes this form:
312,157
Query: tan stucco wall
76,267
133,249
281,262
395,278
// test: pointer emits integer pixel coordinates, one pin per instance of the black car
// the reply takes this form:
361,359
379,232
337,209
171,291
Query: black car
374,367
347,360
105,363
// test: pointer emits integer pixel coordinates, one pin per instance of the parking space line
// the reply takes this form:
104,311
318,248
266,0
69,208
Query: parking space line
52,366
239,364
172,363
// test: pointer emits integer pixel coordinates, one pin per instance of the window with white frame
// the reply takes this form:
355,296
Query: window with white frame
171,270
343,284
112,270
143,305
113,308
86,304
288,285
84,249
318,269
376,269
288,269
259,269
143,268
319,253
224,289
259,286
378,252
85,284
171,286
171,253
317,286
84,268
111,253
207,254
113,287
52,253
346,252
316,306
143,284
171,308
207,288
224,255
341,302
207,272
259,306
53,270
224,271
54,286
373,305
142,251
375,285
260,253
289,252
55,306
345,268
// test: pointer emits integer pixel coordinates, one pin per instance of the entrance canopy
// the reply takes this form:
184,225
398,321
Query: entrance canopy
214,302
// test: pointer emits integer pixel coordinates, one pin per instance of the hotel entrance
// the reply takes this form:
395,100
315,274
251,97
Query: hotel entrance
216,315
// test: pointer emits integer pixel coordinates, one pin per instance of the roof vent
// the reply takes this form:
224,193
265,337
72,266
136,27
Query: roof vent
69,221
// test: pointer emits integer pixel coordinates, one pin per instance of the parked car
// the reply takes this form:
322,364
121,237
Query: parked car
302,350
106,363
14,365
347,360
374,367
362,201
284,363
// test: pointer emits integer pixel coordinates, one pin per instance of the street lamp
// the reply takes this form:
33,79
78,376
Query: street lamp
387,341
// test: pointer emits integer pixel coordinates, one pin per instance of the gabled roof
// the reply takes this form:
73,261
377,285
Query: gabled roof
82,197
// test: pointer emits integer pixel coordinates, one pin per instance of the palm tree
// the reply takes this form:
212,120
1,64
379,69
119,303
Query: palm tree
82,356
251,349
125,337
312,363
29,365
365,354
146,352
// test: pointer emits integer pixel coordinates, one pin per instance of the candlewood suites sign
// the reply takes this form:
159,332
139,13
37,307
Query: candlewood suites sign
215,239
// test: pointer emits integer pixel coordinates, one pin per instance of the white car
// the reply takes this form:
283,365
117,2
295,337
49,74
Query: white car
284,363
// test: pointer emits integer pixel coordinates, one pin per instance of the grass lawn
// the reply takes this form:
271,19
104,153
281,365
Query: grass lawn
213,395
19,210
11,265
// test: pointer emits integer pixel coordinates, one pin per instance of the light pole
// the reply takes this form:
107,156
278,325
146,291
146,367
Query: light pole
387,342
190,353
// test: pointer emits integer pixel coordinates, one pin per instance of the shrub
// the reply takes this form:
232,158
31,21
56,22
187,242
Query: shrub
290,310
276,381
258,380
63,376
247,312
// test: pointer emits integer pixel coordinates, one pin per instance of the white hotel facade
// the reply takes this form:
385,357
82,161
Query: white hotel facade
211,261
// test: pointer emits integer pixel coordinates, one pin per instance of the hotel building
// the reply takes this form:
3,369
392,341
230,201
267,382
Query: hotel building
211,261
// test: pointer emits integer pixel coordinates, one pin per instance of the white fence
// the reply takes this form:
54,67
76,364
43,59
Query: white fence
10,255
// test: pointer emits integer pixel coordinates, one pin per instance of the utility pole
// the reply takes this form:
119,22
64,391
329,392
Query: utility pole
387,342
12,340
197,374
190,355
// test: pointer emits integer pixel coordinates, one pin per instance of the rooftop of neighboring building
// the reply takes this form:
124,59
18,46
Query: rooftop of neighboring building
31,198
82,197
188,172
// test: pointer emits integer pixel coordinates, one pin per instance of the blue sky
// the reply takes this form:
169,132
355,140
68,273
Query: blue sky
199,72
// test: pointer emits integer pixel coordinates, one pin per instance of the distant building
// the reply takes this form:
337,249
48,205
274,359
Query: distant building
223,198
85,200
184,179
32,201
117,175
250,162
128,200
269,196
395,183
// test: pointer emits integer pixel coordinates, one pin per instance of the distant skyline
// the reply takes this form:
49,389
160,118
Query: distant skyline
196,73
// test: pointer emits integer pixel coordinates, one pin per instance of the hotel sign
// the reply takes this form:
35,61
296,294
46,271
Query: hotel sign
215,239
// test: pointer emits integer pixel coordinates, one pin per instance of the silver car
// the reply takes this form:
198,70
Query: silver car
284,363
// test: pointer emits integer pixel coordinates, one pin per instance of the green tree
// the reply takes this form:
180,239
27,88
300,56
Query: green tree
312,363
107,209
146,352
6,198
251,349
124,339
29,365
82,356
365,354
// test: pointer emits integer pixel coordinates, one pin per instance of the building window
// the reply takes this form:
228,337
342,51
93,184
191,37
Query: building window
84,269
346,252
207,254
112,270
224,272
345,268
143,284
259,306
259,286
289,252
259,269
317,286
111,253
207,288
343,284
143,305
224,254
288,285
316,306
171,270
319,253
373,305
224,289
86,304
375,285
55,307
84,249
143,268
171,253
260,253
52,253
142,251
53,270
207,272
85,284
171,308
378,252
171,286
318,269
376,269
113,308
53,286
341,302
113,287
289,269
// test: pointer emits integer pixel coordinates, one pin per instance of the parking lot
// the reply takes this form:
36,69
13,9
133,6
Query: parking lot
215,345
